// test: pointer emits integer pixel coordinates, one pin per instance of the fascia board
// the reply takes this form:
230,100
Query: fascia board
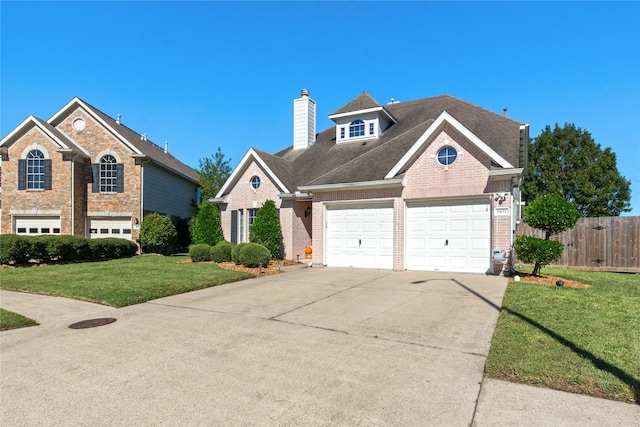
397,182
460,128
243,165
356,113
505,173
97,118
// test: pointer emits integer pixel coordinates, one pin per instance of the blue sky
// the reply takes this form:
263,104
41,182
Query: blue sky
204,75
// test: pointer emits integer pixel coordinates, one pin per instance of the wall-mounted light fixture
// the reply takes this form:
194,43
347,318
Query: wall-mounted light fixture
136,221
307,212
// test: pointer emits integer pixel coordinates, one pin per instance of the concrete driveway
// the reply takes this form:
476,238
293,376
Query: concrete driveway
308,347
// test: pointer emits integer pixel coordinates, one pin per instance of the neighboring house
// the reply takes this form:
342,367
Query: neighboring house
83,173
430,184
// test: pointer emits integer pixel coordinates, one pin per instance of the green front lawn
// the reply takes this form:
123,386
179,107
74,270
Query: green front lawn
11,320
579,340
120,282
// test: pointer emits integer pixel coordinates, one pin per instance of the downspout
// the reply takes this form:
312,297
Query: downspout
73,193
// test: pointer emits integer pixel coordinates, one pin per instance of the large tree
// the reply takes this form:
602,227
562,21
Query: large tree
213,172
568,162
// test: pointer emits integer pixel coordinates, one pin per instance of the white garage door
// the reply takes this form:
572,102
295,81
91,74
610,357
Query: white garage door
33,226
452,236
110,227
360,237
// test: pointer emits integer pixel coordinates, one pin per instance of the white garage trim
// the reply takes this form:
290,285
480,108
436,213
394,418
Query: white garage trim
448,235
109,227
359,236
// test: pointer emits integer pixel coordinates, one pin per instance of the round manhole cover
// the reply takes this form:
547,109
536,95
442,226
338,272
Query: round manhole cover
92,323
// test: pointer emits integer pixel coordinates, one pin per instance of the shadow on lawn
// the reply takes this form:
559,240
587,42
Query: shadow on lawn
603,365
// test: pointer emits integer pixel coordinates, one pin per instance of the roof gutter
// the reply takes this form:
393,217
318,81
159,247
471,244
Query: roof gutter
383,183
298,195
515,174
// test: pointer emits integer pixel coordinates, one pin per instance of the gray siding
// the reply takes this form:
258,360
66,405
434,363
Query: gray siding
167,193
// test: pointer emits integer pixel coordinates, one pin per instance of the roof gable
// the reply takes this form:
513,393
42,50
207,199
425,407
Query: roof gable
417,148
363,101
138,145
63,143
258,157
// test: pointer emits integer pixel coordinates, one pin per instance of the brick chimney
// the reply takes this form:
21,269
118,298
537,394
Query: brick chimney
304,121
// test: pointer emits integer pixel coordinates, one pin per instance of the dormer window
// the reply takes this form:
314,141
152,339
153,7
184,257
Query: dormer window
371,128
356,128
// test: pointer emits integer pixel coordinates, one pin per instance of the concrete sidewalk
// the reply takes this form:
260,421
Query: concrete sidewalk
307,347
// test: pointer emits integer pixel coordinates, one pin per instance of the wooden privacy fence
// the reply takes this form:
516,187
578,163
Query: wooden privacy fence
599,244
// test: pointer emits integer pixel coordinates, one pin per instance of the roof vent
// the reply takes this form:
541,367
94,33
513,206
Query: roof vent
504,111
166,147
304,92
118,118
143,137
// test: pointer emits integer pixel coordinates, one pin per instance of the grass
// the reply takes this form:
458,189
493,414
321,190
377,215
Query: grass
120,282
10,320
579,340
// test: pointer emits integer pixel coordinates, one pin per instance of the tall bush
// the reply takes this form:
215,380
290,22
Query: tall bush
207,227
266,229
157,234
553,214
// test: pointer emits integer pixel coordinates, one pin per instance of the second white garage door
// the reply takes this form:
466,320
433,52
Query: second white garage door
451,236
360,237
110,227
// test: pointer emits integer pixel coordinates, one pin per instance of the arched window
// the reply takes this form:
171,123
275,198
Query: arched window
356,128
108,174
35,170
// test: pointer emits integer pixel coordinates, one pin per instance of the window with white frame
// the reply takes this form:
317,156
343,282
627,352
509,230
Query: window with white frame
35,170
108,174
356,128
251,217
371,128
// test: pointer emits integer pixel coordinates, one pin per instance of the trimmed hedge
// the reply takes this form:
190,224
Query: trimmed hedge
21,249
221,251
235,252
200,252
254,254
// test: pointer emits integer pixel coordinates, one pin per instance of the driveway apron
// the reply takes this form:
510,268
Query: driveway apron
316,346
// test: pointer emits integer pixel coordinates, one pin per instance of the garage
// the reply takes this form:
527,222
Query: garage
110,227
448,236
33,226
360,236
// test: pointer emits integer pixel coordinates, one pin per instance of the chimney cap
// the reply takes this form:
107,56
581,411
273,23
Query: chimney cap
304,92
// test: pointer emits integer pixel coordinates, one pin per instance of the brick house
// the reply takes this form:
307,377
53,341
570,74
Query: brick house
83,173
430,184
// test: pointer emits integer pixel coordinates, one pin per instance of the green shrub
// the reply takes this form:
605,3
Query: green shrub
200,252
254,254
235,252
551,213
266,228
207,227
157,234
112,248
14,249
38,248
221,252
540,252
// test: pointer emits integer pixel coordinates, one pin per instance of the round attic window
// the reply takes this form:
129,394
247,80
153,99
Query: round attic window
255,182
79,124
447,155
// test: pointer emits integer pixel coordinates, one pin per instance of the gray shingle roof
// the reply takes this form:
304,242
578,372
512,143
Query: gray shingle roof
361,102
326,162
62,137
148,148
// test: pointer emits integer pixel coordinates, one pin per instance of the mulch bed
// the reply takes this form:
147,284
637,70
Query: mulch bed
549,280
